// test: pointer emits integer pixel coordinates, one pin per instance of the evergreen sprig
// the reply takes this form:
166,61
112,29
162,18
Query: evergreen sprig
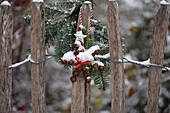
60,26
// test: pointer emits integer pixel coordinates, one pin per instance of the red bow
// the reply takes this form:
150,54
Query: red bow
81,63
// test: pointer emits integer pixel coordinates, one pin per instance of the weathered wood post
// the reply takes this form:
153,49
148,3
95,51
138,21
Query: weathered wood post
38,54
6,30
157,57
80,89
117,72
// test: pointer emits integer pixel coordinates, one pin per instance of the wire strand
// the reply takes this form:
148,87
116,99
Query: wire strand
125,60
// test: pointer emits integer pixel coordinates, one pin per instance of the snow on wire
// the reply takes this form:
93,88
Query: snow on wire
107,56
26,61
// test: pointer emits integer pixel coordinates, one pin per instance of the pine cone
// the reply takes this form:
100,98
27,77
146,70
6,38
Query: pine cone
77,52
86,73
93,54
95,66
63,61
76,46
101,68
71,62
76,72
97,52
88,80
73,79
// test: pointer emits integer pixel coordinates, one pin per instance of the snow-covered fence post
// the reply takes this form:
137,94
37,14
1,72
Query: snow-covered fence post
6,30
81,89
38,54
157,57
117,74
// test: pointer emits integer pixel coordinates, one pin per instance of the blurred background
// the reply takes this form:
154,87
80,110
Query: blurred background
136,20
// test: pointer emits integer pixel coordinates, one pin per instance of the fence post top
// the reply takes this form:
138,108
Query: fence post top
87,2
111,0
38,1
6,3
163,2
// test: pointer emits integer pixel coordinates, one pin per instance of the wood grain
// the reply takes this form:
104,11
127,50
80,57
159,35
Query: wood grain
157,57
6,30
80,89
117,74
38,54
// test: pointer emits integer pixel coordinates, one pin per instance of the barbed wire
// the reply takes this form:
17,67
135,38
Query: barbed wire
124,61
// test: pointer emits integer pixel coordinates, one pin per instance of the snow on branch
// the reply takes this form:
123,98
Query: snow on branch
6,3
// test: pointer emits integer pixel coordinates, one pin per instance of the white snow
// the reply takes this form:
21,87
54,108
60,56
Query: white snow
103,56
77,42
20,63
69,56
79,45
87,2
145,63
120,60
81,26
93,49
111,0
81,48
163,2
5,3
167,68
38,1
88,77
93,20
85,56
31,60
99,63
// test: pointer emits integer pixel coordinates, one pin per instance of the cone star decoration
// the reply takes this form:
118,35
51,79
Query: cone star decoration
82,59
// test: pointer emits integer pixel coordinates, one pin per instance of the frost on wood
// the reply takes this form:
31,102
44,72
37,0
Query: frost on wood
38,1
6,3
163,2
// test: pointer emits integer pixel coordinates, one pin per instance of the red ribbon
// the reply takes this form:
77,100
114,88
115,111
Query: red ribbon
80,63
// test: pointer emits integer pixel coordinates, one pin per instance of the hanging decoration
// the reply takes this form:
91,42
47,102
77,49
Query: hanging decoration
82,59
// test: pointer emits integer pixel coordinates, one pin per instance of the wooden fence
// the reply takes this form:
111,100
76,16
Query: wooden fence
80,89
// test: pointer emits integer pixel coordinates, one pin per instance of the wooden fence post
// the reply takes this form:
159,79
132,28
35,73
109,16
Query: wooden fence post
117,72
38,54
80,89
6,30
157,57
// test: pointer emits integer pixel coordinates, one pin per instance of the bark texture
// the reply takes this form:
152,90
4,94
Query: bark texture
157,57
6,30
38,54
117,74
80,89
